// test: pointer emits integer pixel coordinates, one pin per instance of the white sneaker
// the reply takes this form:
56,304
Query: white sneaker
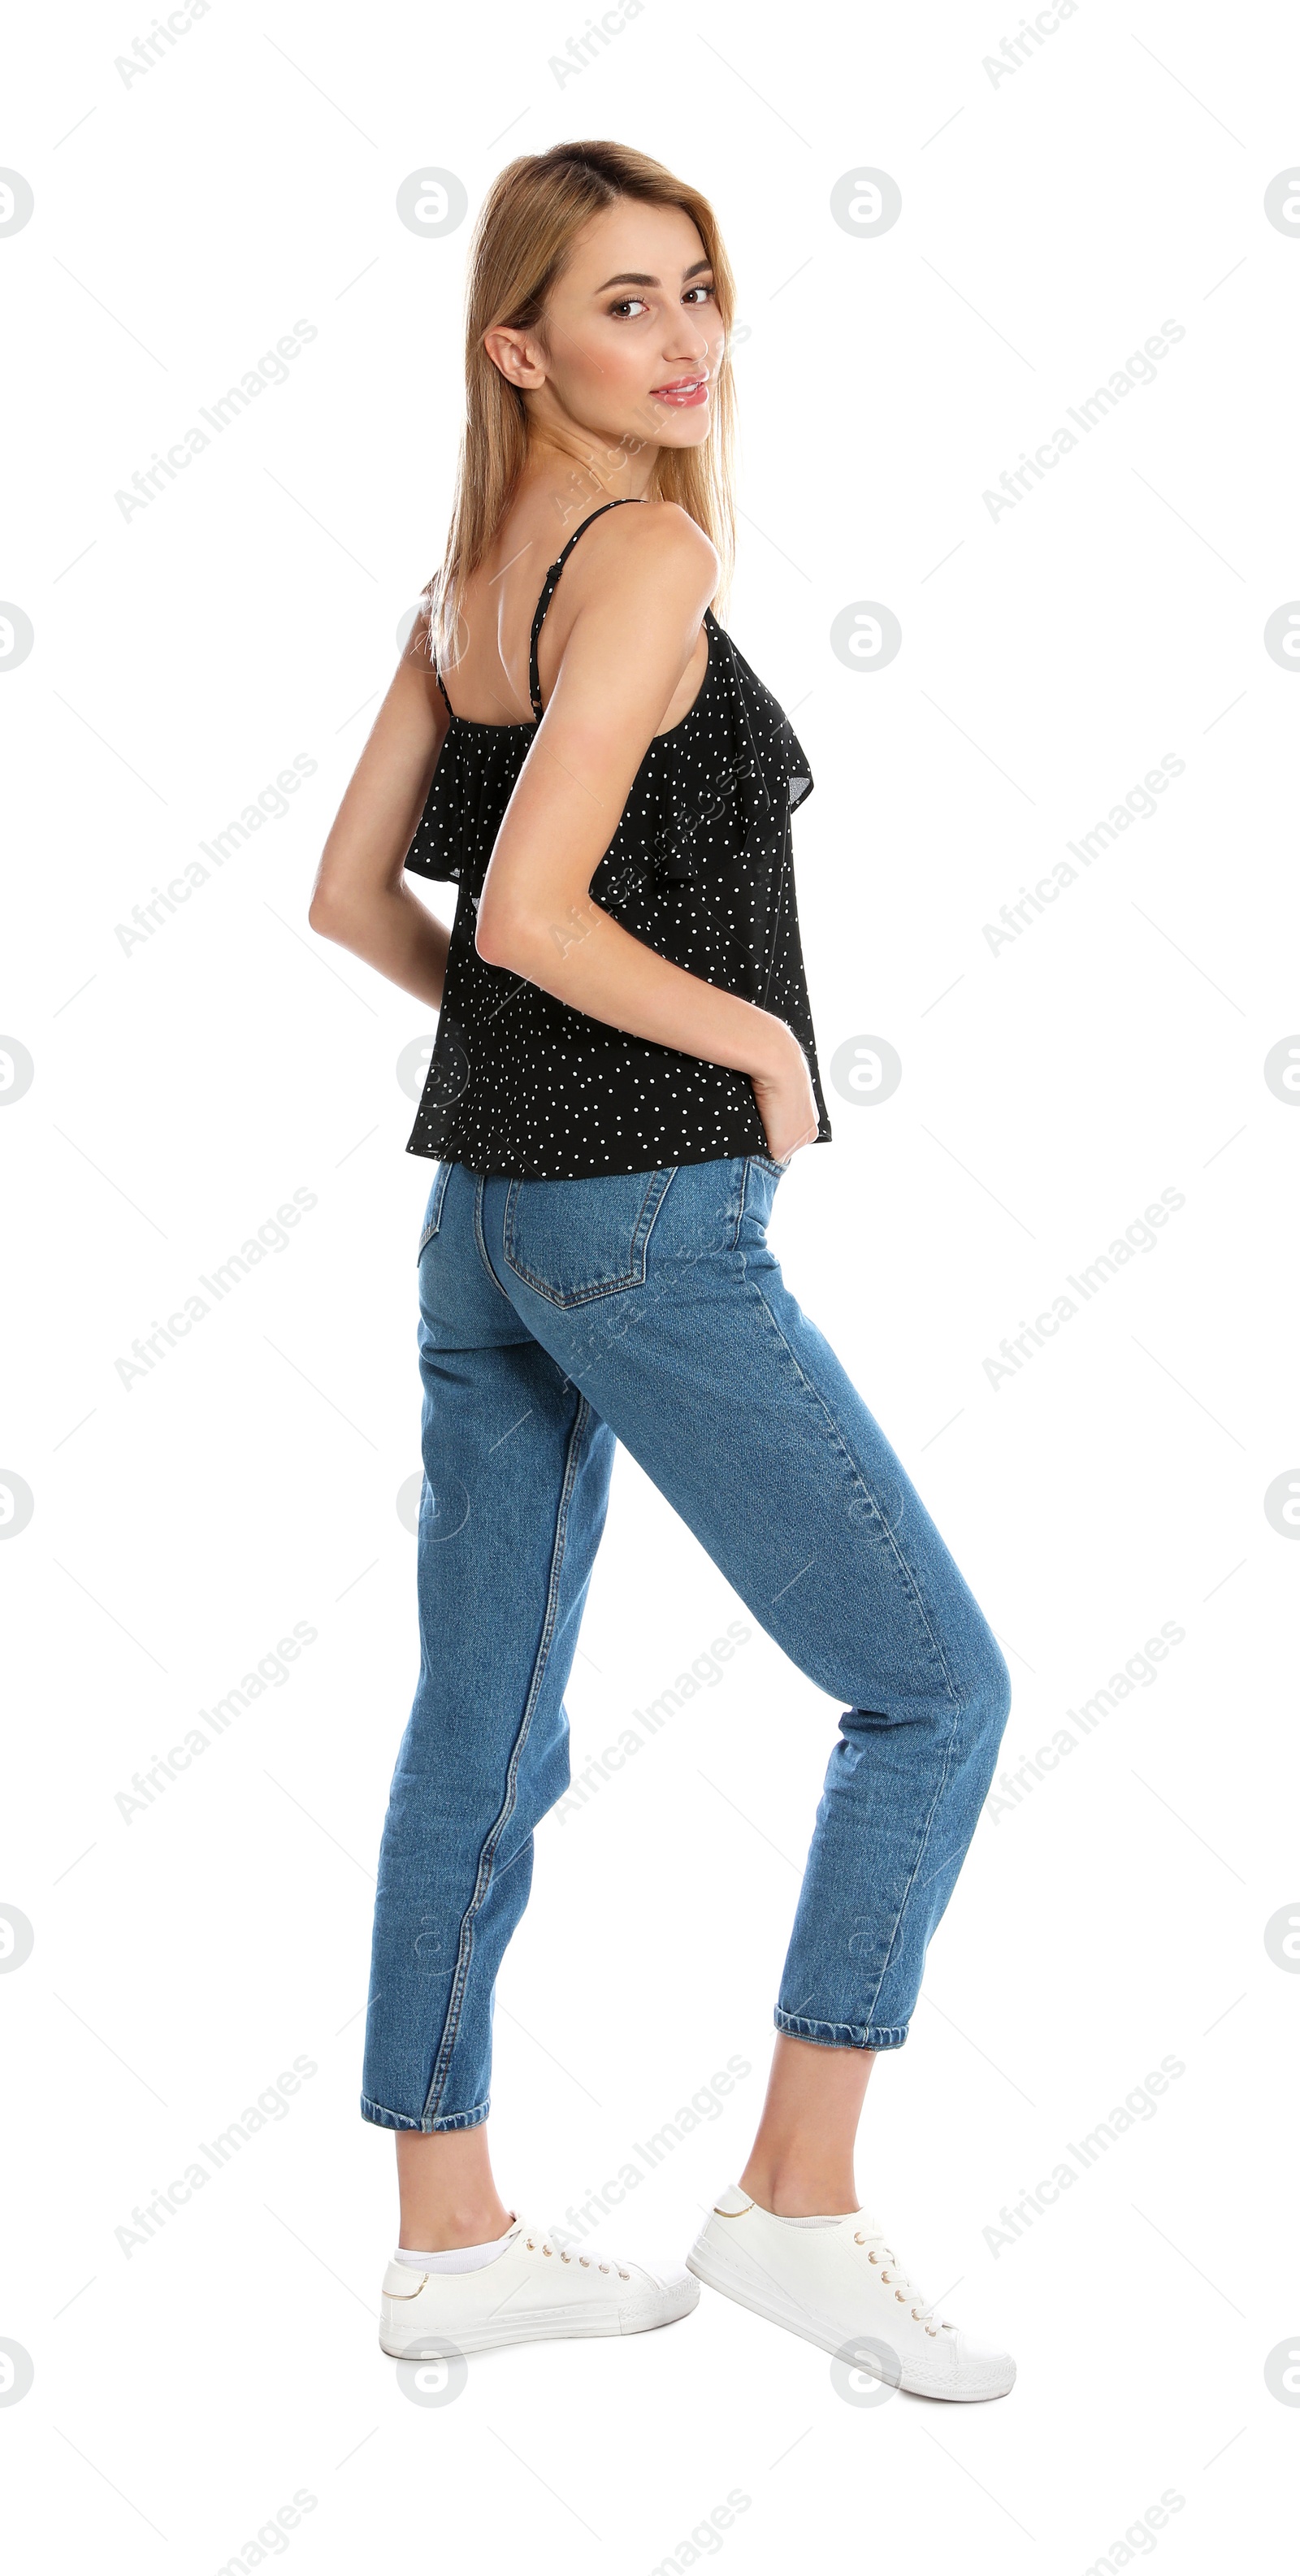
836,2282
537,2288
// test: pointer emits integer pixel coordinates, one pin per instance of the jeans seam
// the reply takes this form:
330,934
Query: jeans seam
442,2063
904,1567
480,1184
920,1854
438,1194
841,1442
742,1197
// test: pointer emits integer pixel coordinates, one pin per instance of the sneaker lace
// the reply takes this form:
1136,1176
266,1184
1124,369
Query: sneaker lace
905,2290
541,2241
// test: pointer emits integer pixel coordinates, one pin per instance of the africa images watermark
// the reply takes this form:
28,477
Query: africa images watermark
1139,369
270,805
1088,1281
1018,50
583,49
1140,2104
272,1672
1138,805
704,2106
152,49
271,1236
272,2104
272,2537
1139,2539
705,1673
705,2540
1141,1669
666,863
151,481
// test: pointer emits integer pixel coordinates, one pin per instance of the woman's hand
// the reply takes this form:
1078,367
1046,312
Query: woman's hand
787,1103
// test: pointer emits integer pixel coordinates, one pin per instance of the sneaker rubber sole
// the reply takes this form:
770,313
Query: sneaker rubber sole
708,2266
540,2325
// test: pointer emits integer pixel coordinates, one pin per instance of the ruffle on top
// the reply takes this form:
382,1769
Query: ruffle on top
700,868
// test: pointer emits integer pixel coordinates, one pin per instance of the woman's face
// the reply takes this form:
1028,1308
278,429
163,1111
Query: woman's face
633,340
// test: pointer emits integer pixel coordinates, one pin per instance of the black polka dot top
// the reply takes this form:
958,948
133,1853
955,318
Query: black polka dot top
700,868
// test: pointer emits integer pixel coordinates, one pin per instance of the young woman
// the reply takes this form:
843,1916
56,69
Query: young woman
623,1069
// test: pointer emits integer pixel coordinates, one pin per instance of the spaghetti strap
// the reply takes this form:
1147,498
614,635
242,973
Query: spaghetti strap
439,678
548,591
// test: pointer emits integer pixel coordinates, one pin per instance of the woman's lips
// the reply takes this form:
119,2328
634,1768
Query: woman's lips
685,393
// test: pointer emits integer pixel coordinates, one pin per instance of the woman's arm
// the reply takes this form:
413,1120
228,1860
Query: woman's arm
648,576
361,898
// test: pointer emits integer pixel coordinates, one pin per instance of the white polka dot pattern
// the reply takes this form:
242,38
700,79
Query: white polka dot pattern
700,868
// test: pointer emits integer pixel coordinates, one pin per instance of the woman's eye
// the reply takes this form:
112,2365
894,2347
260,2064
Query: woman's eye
626,302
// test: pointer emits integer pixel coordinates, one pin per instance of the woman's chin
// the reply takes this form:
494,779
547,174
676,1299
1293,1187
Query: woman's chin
684,428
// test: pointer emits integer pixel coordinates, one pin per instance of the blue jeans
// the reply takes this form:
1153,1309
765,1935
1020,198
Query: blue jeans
555,1318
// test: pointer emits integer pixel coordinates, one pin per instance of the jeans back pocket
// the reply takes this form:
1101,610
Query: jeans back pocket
575,1240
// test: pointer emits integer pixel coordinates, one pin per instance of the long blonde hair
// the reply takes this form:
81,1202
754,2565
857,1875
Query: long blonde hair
521,244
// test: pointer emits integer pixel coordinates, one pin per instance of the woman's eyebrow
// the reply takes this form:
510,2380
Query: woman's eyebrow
633,277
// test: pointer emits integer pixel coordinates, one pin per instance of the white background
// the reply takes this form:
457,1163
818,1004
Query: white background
1113,1914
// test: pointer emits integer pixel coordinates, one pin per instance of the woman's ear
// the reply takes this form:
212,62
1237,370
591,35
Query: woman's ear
516,356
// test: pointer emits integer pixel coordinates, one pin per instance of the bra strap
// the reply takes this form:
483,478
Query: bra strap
548,592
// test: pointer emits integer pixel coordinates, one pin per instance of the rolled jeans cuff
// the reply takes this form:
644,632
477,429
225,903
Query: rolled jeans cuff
841,2034
383,2118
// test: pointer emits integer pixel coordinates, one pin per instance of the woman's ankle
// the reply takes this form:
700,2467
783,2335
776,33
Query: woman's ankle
801,2162
426,2231
800,2192
446,2191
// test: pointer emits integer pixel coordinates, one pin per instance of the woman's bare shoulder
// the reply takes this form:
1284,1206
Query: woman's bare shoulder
655,541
